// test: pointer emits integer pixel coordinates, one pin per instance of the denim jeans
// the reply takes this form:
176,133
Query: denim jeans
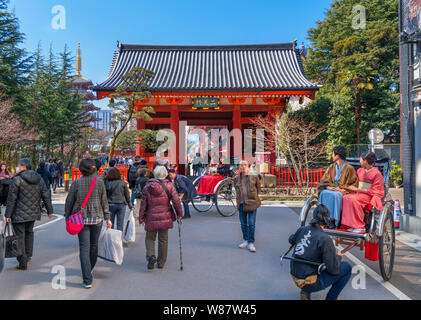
186,209
132,197
88,250
338,282
118,210
248,222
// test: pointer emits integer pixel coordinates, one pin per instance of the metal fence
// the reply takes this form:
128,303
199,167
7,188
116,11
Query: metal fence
391,151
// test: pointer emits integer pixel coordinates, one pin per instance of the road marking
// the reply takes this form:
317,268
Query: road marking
59,217
390,287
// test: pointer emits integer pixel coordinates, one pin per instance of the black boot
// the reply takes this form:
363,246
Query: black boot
151,263
305,295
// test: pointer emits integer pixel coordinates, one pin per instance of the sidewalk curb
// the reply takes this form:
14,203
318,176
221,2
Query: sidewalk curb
283,203
410,239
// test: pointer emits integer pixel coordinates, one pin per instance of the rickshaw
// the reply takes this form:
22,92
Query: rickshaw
223,195
380,226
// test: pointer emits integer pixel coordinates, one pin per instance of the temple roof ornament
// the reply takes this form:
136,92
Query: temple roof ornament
78,62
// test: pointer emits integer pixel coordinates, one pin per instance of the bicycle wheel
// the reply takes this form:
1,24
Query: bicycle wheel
226,199
387,247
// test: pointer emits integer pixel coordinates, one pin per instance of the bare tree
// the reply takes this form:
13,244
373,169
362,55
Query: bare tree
295,139
12,131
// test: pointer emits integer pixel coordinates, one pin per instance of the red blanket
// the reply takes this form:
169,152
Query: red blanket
208,183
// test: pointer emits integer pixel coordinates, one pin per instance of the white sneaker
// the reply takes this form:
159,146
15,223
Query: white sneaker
243,245
252,248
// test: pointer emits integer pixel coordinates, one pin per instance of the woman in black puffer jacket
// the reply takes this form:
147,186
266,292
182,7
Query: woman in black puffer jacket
118,196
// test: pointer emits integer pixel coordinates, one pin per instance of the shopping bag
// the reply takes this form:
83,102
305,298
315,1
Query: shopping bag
129,230
2,243
13,249
111,246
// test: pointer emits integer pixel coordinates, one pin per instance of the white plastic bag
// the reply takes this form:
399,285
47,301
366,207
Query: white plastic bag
2,242
111,246
129,229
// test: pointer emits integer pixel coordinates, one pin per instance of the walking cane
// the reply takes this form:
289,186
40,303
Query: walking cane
179,242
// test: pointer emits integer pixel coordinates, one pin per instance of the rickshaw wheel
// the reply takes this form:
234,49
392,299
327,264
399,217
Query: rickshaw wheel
307,211
387,247
202,203
226,199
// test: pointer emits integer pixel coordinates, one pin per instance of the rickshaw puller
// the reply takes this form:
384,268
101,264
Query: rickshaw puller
314,245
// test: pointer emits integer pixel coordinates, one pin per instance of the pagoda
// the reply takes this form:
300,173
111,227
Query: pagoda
83,87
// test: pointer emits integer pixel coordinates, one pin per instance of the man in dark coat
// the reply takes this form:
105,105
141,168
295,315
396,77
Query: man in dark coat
45,175
131,176
23,207
54,171
313,244
61,173
185,189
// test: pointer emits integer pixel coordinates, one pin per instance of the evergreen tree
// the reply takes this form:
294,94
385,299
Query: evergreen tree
71,114
363,59
14,61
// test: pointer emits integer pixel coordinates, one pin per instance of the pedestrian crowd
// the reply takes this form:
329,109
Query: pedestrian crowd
159,197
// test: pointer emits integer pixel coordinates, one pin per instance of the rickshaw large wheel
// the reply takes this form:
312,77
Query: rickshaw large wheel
226,198
202,203
306,214
387,247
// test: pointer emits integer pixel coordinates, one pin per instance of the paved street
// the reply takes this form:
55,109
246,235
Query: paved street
214,268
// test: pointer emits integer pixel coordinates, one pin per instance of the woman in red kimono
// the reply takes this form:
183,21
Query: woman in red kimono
369,191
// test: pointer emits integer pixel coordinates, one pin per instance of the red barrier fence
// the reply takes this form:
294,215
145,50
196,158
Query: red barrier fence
287,178
124,168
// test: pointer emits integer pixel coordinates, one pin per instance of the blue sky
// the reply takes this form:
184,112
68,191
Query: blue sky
98,24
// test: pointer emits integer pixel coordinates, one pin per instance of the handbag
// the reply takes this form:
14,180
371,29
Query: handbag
76,222
13,249
172,210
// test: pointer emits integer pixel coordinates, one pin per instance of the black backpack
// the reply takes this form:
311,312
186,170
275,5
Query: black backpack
53,170
132,174
139,188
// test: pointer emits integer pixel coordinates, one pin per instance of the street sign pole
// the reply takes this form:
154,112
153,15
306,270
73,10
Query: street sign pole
375,136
